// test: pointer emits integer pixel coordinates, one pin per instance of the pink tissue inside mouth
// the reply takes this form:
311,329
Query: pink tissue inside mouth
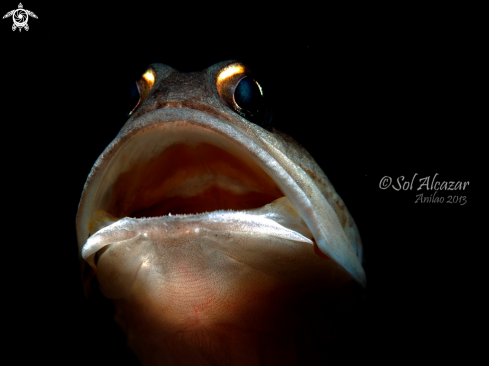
189,179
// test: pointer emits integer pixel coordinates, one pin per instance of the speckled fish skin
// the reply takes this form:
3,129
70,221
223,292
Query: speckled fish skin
191,299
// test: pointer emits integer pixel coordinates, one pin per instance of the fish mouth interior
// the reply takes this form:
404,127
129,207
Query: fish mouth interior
191,179
190,173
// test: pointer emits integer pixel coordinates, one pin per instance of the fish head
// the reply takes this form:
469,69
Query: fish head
215,235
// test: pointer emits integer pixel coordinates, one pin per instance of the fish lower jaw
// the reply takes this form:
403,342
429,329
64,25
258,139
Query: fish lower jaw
277,219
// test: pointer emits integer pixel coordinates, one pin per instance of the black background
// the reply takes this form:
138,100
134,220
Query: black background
368,92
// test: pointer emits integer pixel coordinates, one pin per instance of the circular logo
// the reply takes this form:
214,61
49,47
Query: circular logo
20,17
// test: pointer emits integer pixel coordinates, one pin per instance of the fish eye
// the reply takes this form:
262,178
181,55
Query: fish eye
248,97
244,95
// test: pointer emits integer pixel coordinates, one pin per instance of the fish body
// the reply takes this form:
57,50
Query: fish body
218,238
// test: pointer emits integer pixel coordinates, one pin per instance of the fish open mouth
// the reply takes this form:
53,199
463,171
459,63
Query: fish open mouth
187,170
191,178
180,169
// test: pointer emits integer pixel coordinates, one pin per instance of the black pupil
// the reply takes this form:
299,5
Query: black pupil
247,95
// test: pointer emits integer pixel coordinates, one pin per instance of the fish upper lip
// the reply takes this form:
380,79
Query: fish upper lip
162,118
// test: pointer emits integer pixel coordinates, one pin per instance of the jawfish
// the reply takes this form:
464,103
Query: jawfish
218,238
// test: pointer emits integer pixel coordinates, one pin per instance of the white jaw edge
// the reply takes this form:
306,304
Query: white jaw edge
252,222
